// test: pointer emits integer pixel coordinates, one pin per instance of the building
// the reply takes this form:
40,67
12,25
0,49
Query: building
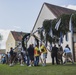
2,51
13,40
50,12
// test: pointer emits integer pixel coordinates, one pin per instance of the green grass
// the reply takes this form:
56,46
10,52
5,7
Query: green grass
68,69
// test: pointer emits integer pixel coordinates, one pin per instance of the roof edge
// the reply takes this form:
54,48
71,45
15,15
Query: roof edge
38,17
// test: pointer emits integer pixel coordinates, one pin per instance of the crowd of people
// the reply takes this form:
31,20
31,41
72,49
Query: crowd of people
58,53
34,55
30,57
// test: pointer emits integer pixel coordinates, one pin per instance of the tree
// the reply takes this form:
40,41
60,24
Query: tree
1,37
63,27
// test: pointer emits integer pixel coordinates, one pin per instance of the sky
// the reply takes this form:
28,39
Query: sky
20,15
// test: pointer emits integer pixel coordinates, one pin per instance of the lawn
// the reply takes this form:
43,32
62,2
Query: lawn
67,69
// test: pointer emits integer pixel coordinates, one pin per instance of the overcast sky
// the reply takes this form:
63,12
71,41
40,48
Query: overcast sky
20,15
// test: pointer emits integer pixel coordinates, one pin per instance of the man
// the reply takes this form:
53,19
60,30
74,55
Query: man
36,55
59,54
31,54
44,52
11,56
54,54
68,55
22,56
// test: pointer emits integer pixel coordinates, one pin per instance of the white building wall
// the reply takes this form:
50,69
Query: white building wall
31,41
47,14
69,42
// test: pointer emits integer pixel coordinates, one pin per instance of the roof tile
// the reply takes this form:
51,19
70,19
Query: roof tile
58,11
18,35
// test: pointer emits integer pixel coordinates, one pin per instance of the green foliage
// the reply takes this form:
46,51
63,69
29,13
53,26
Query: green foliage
48,38
74,20
47,25
64,26
41,36
1,37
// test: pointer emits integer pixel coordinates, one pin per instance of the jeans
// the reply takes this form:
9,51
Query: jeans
36,61
28,61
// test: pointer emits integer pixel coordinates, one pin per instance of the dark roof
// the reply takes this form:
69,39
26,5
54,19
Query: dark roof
18,35
2,51
57,10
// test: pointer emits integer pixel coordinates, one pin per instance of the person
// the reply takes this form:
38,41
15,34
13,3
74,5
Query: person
27,58
31,54
7,58
11,56
36,55
3,60
54,52
68,55
44,52
22,56
60,54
